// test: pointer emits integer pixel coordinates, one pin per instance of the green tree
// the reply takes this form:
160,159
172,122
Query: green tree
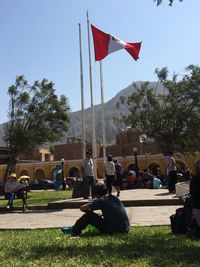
36,116
170,116
159,2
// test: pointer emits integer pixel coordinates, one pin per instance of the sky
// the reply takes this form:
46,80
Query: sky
40,39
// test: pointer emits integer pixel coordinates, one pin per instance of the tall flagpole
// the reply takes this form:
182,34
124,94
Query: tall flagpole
102,111
92,104
82,96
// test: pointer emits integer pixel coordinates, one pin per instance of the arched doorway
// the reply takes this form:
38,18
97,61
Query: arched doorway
74,172
154,168
181,164
24,172
131,167
39,174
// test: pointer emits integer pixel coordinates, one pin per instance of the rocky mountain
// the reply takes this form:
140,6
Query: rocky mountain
111,111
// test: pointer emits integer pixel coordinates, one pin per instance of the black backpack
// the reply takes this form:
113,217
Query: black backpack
178,225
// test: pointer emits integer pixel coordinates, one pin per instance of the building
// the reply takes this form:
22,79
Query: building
128,146
4,154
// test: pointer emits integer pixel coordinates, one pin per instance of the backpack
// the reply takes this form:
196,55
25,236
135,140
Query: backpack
178,225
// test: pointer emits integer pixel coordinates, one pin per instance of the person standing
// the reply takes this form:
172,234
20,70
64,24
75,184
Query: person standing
172,172
88,175
195,190
110,173
113,217
118,181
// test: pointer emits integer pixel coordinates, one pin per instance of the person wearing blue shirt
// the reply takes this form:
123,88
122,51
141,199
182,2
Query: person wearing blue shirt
113,217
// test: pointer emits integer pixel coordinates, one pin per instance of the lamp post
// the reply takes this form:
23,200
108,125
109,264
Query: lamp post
136,160
62,174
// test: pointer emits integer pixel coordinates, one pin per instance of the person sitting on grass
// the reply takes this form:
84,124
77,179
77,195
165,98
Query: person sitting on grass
113,219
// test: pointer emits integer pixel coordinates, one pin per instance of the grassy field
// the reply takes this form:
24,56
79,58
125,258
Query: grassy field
143,246
41,198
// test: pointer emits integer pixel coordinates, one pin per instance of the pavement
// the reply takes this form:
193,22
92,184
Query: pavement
145,207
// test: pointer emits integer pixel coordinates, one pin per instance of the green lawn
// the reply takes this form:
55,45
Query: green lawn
143,246
41,198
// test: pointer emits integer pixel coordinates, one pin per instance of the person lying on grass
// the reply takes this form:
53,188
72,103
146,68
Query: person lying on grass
113,218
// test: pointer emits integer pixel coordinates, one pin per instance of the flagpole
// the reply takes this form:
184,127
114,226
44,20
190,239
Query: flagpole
102,111
82,97
92,104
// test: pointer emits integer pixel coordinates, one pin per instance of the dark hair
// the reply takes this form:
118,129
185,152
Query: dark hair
99,189
110,157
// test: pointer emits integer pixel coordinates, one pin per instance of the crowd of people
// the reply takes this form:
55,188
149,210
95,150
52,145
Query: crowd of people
112,217
116,177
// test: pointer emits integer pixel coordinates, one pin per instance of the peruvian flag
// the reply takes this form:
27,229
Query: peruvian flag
105,44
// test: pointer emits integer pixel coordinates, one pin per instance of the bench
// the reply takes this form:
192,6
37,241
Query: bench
21,194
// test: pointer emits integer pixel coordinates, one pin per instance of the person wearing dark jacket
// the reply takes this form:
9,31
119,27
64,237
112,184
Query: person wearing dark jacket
193,212
113,217
195,190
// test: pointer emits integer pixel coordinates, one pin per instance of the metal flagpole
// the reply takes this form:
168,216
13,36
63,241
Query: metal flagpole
92,104
102,110
82,96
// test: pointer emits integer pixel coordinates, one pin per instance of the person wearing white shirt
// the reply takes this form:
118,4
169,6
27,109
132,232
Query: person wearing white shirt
172,172
88,174
110,173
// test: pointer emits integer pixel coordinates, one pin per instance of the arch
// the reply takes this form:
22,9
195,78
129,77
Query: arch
154,168
74,172
24,172
39,174
181,163
131,167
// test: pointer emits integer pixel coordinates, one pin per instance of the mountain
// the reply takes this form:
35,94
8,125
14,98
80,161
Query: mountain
111,111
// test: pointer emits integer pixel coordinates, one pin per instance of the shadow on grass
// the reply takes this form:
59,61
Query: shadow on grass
150,246
19,210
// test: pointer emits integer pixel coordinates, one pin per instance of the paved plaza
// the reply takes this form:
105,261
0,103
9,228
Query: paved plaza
144,215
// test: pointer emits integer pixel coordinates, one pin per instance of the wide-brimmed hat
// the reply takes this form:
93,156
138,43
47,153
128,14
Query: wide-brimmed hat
13,175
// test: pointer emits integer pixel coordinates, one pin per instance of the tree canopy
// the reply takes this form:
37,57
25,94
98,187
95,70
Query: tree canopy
36,116
171,116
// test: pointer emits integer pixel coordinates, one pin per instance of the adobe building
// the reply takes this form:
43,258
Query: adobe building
4,154
128,145
72,149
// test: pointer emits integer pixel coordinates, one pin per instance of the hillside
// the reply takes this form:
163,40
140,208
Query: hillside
111,125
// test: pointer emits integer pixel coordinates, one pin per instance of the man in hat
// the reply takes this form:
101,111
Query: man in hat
12,189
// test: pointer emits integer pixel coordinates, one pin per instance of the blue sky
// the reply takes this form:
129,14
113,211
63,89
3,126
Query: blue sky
40,39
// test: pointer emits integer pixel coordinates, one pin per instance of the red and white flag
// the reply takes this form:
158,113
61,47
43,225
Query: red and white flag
105,44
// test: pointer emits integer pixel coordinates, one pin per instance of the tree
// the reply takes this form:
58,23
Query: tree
172,116
159,2
36,116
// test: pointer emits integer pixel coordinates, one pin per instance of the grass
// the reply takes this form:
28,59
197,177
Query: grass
41,198
143,246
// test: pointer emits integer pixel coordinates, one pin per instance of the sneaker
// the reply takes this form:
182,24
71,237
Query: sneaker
67,230
9,206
